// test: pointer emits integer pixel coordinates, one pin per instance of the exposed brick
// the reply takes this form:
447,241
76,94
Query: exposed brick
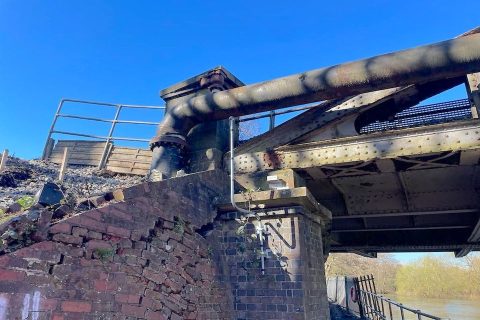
11,275
134,311
76,306
117,231
105,285
155,315
98,244
89,223
127,298
154,275
116,211
60,228
94,235
79,232
67,238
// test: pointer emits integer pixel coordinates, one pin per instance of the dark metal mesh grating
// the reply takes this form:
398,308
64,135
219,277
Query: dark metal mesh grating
423,115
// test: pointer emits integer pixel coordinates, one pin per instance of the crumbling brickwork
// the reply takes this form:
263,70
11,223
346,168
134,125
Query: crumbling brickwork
162,251
139,258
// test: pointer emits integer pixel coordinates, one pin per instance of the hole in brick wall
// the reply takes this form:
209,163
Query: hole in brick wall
62,257
50,270
159,223
205,230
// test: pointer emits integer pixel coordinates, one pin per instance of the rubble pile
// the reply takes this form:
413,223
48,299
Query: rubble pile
25,177
30,200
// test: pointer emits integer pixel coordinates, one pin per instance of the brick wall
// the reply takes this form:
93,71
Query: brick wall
142,257
136,259
293,285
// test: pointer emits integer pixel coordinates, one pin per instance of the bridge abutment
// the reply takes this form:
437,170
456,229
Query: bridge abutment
292,284
171,250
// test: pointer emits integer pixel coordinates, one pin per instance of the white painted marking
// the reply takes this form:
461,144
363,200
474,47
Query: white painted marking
25,306
36,305
3,308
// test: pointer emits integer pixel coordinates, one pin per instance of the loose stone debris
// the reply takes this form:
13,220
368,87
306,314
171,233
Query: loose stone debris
25,177
30,201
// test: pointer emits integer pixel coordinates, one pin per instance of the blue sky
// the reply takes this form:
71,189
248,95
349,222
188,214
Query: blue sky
126,51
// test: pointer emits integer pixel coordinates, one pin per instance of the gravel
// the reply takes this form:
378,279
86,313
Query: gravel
25,177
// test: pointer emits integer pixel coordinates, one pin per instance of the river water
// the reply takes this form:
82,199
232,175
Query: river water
454,309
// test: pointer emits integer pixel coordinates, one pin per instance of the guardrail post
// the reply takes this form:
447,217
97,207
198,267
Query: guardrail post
45,154
64,165
272,120
103,159
3,162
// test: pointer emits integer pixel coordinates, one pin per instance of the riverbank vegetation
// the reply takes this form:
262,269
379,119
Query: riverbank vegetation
431,276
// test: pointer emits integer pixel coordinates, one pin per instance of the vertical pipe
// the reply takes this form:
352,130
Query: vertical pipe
59,108
109,137
260,229
401,311
272,120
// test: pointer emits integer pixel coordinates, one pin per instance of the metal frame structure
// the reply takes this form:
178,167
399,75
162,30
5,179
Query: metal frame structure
376,307
109,138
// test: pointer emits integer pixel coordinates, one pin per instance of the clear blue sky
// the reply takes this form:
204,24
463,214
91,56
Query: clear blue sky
126,51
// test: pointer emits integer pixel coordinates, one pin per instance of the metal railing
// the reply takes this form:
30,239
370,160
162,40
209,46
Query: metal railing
108,138
376,307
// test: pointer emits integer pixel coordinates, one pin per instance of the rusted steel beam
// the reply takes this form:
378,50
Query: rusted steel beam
329,114
446,59
453,136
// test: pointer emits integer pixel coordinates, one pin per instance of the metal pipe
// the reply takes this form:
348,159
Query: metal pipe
248,213
55,118
109,137
108,104
427,63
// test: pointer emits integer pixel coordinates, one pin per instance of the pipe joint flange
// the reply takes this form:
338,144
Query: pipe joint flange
169,140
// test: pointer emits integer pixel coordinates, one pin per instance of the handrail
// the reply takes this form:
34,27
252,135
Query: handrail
402,307
113,121
372,305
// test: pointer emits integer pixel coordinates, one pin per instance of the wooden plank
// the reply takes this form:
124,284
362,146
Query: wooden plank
80,162
97,149
79,156
123,150
140,172
123,164
63,168
115,156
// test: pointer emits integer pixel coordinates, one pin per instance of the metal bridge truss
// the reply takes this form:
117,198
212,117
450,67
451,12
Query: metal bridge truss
396,176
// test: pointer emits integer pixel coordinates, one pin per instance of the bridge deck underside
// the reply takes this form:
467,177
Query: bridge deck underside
410,210
414,189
